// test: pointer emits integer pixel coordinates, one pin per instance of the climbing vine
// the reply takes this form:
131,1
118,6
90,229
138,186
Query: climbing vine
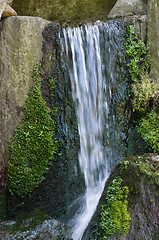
34,145
115,218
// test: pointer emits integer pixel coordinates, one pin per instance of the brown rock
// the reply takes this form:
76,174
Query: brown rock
8,11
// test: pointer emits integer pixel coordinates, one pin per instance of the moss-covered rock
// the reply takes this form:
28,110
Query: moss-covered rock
20,48
141,176
34,145
64,181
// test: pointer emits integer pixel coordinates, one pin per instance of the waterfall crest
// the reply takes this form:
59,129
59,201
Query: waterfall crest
90,53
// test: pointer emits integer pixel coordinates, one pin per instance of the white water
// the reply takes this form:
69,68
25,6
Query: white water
84,48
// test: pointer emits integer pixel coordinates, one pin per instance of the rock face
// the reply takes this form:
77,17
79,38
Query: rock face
35,225
153,37
20,49
140,175
31,44
127,8
64,9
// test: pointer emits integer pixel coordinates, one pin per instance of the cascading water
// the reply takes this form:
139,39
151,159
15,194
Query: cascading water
90,53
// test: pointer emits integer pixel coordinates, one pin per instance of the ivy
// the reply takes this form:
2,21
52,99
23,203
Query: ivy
115,218
34,145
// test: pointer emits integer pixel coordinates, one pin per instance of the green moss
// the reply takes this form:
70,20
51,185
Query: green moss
149,129
143,88
144,164
34,145
115,218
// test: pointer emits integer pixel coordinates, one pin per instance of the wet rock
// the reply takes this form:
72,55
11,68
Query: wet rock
140,175
124,8
34,225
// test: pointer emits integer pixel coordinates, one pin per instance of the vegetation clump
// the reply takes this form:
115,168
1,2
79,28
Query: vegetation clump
143,87
115,218
34,145
149,130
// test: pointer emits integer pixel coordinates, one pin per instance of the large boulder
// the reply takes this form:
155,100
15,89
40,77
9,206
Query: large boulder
20,48
64,9
64,182
124,8
153,37
140,175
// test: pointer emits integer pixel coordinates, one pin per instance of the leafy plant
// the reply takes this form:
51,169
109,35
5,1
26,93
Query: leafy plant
114,214
33,147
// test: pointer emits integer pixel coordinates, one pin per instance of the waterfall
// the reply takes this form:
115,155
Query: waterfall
90,54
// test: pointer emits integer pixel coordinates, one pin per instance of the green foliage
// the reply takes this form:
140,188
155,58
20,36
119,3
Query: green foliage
143,87
115,218
143,92
34,145
149,130
151,201
137,52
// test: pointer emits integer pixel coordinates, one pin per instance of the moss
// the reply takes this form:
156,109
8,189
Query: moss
143,88
34,145
115,218
146,164
149,130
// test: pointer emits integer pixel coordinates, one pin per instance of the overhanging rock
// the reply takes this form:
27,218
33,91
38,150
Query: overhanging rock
128,8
